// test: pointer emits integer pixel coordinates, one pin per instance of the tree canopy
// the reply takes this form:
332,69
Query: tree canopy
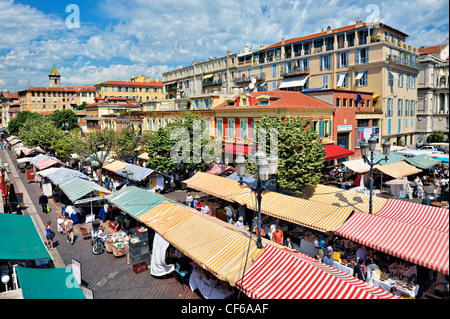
39,131
64,119
301,153
16,123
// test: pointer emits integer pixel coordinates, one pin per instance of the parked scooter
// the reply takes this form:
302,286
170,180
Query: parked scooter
97,241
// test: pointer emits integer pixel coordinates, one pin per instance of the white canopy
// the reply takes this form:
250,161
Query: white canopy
358,166
293,82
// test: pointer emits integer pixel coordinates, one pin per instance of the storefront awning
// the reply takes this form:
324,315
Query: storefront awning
139,172
47,162
342,198
358,166
392,158
293,82
48,283
419,245
422,161
62,174
281,274
75,188
333,152
416,214
38,158
115,165
399,169
20,239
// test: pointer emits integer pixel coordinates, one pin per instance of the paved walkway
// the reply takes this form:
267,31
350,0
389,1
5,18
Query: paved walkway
107,276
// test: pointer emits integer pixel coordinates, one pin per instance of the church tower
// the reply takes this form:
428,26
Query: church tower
54,78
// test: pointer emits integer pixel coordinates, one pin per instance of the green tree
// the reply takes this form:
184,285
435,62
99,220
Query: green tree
301,154
67,144
40,131
16,123
436,137
160,145
64,119
127,142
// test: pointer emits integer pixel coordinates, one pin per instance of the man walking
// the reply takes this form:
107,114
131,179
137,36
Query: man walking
43,201
69,230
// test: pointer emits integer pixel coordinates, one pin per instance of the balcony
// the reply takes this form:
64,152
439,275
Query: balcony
208,83
403,61
294,72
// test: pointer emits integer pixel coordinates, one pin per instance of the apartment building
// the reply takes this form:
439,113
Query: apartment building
115,113
366,57
8,103
46,100
433,92
140,89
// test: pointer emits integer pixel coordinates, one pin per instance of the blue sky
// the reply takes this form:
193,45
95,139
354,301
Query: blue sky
119,39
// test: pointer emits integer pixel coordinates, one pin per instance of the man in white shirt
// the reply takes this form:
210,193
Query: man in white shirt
205,209
240,223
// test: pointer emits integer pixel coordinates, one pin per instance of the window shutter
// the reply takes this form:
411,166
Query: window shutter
358,54
321,128
321,63
339,60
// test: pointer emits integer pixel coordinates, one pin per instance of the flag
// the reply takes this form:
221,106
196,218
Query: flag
358,99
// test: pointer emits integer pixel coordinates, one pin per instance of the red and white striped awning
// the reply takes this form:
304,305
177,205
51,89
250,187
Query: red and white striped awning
281,274
420,245
416,214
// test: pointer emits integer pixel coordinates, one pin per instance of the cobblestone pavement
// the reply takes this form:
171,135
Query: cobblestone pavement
107,276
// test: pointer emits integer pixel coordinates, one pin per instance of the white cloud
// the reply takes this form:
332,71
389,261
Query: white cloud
149,37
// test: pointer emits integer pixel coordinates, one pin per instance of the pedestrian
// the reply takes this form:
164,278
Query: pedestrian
230,213
195,201
320,245
240,223
69,230
49,235
358,270
277,236
255,230
205,209
60,223
43,201
361,253
199,205
189,199
328,259
288,243
419,187
272,229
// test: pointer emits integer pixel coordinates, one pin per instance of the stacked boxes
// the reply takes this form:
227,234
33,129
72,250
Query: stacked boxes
139,248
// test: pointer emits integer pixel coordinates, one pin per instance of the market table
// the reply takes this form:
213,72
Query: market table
344,269
388,284
209,287
438,204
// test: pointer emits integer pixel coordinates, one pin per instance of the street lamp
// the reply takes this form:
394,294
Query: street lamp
367,147
264,167
218,161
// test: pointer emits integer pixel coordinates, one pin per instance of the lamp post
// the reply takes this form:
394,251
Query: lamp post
219,161
367,147
265,167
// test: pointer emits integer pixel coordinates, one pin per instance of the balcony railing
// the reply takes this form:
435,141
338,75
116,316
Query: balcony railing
206,83
403,61
295,71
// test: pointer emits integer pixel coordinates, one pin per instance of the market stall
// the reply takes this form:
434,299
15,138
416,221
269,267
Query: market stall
281,274
422,161
399,169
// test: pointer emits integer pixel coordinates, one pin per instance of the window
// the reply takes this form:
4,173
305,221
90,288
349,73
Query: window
407,108
400,80
338,102
413,82
325,62
413,108
408,81
389,126
304,64
363,123
342,80
399,127
244,128
219,128
375,123
412,122
344,102
362,78
390,77
274,70
362,56
325,81
400,107
321,128
274,85
390,108
119,89
261,71
368,104
196,104
342,59
350,103
206,103
230,128
105,89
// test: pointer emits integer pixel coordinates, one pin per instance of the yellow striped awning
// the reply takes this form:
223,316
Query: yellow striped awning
214,245
343,198
320,216
115,166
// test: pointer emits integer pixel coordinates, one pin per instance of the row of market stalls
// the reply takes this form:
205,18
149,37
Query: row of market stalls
412,232
22,258
226,251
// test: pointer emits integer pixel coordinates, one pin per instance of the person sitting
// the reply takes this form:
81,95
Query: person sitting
240,223
205,209
199,205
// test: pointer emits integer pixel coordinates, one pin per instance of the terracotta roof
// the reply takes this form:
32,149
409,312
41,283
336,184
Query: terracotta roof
130,83
10,95
428,50
280,99
317,35
65,89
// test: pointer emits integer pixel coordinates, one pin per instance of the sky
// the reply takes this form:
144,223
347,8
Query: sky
90,41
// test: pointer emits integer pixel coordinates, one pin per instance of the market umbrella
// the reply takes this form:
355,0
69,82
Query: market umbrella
398,181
